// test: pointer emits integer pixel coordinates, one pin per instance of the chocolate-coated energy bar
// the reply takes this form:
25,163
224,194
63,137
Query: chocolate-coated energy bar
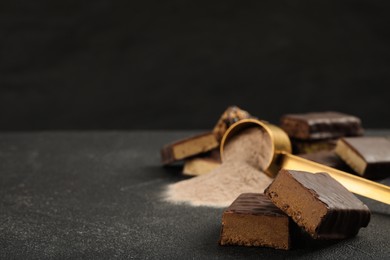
321,125
252,220
311,146
188,147
328,158
319,204
368,156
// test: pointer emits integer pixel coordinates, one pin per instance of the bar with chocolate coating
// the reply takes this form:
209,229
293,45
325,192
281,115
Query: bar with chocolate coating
199,165
252,220
368,156
328,158
188,147
321,125
319,204
311,146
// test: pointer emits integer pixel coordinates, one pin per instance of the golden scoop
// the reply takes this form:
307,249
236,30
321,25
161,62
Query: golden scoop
282,158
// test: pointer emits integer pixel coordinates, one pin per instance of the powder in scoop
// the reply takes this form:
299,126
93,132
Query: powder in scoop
251,147
244,155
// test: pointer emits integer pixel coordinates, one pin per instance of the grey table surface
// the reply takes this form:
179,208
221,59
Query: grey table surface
98,195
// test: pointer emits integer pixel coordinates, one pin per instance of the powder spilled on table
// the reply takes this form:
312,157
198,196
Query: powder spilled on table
245,155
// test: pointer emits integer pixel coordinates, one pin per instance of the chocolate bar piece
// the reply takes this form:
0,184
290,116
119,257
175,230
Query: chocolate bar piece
231,115
252,220
328,158
319,204
203,163
368,156
188,147
312,146
321,125
200,165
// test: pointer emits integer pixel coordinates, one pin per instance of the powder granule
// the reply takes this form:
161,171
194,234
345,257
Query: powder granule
244,155
251,146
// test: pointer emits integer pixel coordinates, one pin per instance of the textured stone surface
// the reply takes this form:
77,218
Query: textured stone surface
97,195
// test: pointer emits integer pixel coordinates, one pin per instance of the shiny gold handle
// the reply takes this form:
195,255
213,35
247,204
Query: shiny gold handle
353,183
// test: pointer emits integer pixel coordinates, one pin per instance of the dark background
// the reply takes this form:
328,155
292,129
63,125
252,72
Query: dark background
179,64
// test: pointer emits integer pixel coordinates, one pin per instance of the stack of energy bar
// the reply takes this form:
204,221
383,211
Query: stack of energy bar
297,203
330,138
336,140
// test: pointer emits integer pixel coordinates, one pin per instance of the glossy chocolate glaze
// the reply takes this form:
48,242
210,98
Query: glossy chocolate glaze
322,125
346,214
374,151
370,149
255,204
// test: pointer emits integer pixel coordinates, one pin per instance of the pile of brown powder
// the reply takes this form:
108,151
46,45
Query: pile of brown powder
244,156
